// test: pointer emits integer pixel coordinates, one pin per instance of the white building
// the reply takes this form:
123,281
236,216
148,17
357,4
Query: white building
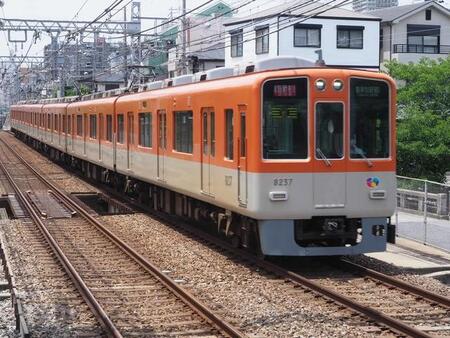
346,38
370,5
411,32
204,48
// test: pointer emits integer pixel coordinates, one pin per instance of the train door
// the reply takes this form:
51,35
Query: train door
100,136
208,149
130,139
85,132
242,158
330,168
162,143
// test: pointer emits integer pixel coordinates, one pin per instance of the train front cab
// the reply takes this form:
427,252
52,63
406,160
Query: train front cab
325,182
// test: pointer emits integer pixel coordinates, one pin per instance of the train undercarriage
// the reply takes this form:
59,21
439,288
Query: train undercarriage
239,230
317,236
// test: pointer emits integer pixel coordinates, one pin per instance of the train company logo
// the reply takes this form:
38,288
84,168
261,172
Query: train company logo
373,182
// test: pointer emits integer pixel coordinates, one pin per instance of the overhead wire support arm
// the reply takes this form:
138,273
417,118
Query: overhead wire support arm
107,27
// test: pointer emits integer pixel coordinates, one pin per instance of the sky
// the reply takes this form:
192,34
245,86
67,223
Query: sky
67,9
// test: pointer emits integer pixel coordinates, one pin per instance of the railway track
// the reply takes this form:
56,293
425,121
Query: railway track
128,294
396,307
403,309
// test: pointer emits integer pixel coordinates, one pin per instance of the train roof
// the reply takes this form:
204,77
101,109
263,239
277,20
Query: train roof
241,74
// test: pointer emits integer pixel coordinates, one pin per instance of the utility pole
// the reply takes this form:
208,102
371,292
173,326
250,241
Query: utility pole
183,31
94,61
125,63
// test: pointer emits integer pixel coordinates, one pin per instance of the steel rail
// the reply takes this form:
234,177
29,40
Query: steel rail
180,292
87,295
397,283
389,322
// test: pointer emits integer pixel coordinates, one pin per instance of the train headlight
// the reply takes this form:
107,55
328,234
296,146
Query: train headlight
338,85
320,85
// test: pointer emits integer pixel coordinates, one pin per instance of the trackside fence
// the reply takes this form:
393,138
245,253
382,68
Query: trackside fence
423,211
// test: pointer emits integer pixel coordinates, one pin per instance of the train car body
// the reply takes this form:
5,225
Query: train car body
304,158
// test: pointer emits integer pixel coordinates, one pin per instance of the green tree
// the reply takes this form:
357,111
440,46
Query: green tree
423,129
72,91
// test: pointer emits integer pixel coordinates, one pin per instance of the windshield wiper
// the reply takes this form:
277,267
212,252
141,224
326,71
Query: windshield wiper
361,153
323,157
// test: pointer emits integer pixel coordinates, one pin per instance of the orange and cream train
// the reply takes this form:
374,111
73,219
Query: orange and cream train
293,162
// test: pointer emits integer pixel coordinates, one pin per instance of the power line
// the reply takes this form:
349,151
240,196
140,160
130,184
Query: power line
168,21
326,6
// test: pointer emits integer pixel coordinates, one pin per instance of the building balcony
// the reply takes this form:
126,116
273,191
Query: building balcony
421,49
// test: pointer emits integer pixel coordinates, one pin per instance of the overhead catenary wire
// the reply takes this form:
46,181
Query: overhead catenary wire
325,6
174,19
106,11
218,36
342,3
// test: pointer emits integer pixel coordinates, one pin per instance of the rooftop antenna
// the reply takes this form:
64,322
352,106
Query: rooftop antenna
320,61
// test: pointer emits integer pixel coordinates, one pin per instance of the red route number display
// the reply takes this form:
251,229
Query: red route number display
284,90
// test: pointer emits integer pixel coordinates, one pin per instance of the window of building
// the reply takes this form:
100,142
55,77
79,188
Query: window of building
93,126
381,38
423,39
237,43
350,37
145,129
307,35
79,125
183,135
120,128
428,14
262,40
109,128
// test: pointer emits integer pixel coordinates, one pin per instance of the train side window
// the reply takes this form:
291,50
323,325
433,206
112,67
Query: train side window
109,128
213,133
183,135
79,125
64,125
69,124
49,124
229,134
120,128
93,126
56,123
243,136
145,129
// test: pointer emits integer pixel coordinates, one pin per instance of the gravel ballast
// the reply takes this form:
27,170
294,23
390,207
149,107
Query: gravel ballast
260,304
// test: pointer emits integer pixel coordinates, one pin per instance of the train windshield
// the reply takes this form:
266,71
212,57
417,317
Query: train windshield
284,119
369,119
